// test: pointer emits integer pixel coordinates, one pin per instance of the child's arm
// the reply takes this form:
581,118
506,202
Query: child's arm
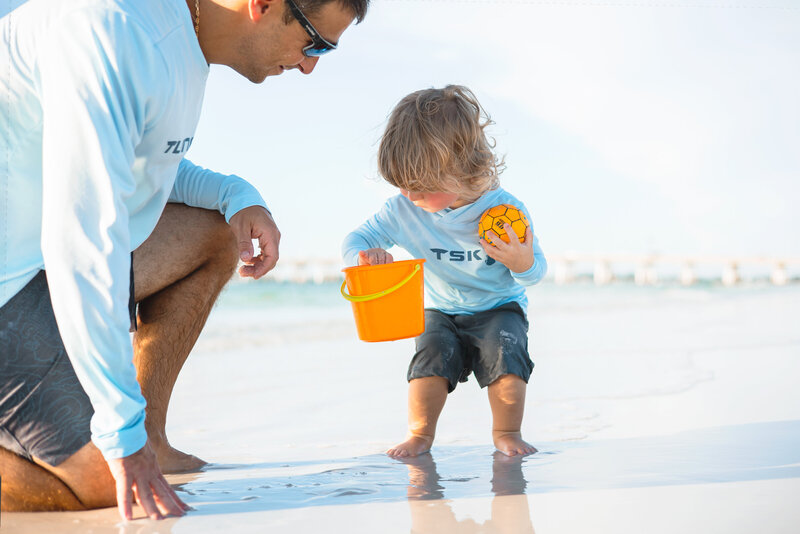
378,233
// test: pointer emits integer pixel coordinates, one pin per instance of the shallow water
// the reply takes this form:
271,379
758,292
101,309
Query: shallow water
738,453
472,489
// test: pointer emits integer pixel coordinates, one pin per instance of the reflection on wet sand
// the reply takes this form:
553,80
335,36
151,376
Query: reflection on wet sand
432,513
736,478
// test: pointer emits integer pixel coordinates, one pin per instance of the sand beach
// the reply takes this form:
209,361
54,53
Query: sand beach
654,409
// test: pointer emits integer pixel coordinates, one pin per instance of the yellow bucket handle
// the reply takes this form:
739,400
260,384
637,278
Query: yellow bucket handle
365,298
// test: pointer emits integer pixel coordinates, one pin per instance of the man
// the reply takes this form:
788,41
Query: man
99,100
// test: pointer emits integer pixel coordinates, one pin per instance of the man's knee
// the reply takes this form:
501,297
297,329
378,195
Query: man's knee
185,241
215,234
225,250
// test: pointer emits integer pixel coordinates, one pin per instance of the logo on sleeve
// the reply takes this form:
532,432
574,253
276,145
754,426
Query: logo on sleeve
179,147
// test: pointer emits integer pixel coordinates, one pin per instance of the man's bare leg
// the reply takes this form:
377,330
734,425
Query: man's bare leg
179,272
426,398
507,400
81,482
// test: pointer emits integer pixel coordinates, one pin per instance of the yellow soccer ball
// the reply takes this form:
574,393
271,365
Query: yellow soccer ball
496,219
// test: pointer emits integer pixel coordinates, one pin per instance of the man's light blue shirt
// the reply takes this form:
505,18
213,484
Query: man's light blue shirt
99,101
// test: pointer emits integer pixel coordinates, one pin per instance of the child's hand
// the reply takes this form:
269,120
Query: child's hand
374,256
518,257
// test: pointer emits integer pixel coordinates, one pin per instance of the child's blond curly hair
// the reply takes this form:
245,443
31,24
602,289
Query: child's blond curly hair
435,142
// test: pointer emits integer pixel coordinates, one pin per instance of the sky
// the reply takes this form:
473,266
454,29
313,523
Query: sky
627,126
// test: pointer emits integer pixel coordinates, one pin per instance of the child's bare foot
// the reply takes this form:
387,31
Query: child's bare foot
413,446
512,444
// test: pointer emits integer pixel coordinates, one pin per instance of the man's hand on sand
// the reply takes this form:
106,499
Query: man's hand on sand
138,475
256,223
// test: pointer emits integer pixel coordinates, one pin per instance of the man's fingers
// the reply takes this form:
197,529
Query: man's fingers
167,500
269,238
245,250
185,507
145,497
244,242
255,222
162,504
269,253
260,266
256,270
138,477
268,244
124,499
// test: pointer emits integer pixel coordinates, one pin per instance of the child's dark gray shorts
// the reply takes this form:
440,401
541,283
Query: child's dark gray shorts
489,344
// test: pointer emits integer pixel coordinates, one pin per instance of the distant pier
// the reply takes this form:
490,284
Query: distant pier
649,269
602,269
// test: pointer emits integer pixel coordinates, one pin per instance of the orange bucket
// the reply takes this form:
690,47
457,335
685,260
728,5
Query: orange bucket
386,299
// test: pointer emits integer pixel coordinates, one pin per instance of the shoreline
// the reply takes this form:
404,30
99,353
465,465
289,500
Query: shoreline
725,475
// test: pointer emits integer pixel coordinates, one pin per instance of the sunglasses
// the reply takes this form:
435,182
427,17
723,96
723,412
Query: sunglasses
319,45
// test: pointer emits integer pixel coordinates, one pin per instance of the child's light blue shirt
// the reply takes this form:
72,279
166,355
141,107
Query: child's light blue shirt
99,101
459,277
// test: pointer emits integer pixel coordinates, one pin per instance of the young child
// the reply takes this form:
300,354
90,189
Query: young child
435,151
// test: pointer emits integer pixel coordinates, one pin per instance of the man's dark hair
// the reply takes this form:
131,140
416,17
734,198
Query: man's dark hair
310,7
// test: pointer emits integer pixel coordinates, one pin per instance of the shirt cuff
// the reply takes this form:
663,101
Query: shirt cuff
123,443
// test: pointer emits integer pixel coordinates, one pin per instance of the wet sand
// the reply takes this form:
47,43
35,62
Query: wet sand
683,482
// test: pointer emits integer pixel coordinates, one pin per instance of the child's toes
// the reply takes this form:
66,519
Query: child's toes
397,453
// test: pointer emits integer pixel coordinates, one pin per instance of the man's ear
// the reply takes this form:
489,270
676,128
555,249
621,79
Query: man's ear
259,8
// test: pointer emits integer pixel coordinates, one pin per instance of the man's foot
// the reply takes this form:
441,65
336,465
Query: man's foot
512,444
171,460
413,446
